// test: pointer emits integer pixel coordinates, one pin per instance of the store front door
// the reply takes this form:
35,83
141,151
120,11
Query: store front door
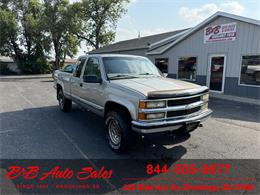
216,74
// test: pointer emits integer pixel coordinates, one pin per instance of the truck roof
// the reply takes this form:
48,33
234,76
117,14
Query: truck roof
110,55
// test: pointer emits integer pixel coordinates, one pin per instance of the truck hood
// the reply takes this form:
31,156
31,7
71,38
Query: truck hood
156,87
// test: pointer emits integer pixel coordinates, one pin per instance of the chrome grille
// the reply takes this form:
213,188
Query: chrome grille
178,107
180,102
182,112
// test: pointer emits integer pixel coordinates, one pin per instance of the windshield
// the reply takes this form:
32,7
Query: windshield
129,67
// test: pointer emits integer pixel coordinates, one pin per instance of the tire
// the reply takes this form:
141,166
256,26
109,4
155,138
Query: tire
64,103
120,124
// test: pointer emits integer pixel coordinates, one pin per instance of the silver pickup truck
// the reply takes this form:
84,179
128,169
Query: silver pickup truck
132,95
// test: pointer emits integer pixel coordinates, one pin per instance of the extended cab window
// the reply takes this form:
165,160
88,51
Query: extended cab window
92,67
79,67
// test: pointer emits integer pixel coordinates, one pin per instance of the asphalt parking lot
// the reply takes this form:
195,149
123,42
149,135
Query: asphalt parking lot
33,127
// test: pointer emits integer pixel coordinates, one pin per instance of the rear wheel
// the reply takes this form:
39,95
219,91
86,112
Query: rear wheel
118,130
64,103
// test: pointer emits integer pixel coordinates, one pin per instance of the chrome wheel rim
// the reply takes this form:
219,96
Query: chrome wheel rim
114,131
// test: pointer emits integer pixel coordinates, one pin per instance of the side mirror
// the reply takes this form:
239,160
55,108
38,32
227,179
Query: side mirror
91,79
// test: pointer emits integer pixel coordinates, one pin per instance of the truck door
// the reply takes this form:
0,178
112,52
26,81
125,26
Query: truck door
76,79
92,92
65,76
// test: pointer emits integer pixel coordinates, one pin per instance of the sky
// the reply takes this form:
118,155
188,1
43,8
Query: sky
149,17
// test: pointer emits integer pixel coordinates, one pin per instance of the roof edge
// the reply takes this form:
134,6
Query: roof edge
217,14
166,40
134,48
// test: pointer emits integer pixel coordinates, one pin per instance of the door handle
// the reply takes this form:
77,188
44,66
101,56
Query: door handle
80,84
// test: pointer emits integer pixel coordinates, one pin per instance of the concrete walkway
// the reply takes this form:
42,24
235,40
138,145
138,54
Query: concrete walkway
235,98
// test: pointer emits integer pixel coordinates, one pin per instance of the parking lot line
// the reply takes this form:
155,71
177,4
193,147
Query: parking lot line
68,138
8,131
85,156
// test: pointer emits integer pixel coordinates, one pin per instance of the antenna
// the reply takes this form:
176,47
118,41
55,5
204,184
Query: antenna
139,35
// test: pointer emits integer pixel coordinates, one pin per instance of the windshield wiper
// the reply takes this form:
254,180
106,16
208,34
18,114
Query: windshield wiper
122,76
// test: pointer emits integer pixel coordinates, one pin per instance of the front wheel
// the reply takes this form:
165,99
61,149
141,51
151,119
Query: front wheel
64,103
118,130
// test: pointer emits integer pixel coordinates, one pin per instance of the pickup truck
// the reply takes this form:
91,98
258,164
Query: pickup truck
133,96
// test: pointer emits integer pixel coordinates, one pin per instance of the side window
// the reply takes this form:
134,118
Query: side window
92,67
79,67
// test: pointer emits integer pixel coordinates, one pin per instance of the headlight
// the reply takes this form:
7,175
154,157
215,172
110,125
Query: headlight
143,116
205,97
152,104
204,107
155,115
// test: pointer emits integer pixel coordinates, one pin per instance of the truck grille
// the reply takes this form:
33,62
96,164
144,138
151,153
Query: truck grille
180,102
182,112
178,107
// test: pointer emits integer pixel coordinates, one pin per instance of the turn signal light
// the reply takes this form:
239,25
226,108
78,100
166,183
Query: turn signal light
142,105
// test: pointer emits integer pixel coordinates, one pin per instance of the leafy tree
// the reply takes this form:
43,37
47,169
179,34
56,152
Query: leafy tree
8,31
99,20
29,29
34,38
22,35
59,21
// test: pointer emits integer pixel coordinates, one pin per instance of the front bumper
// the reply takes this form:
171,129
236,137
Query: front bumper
169,125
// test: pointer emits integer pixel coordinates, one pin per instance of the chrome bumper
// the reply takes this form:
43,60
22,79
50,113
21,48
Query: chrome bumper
168,125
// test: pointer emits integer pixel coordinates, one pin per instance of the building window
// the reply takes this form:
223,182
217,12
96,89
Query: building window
187,68
250,70
162,64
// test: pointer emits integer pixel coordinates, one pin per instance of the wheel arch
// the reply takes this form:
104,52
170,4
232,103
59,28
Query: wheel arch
112,105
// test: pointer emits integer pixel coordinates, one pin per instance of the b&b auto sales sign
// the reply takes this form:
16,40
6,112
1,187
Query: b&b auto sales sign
222,32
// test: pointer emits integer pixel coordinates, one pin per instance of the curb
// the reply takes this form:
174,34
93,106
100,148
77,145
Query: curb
26,77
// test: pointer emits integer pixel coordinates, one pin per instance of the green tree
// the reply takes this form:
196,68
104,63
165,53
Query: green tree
99,19
34,38
60,23
36,42
9,31
30,28
22,34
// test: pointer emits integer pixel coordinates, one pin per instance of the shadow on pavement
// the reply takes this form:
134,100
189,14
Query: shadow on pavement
48,133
